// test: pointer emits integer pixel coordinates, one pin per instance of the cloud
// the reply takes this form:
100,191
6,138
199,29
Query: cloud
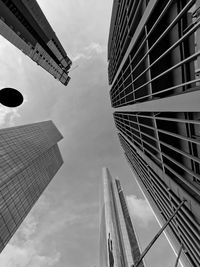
29,227
139,209
94,47
62,216
89,51
8,116
26,249
81,56
55,221
27,256
33,245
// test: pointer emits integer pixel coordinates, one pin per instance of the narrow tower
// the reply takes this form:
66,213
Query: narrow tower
118,243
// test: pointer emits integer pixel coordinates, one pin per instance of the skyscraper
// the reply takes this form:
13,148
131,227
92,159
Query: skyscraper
154,67
29,159
23,24
118,243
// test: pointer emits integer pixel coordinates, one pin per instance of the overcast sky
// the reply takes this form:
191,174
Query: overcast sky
62,230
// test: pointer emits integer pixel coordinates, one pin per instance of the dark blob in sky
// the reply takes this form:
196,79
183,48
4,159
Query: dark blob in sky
11,97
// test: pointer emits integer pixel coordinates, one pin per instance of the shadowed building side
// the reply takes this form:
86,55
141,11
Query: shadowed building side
154,78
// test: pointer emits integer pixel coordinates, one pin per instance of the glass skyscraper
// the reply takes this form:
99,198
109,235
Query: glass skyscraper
29,159
118,243
154,68
23,23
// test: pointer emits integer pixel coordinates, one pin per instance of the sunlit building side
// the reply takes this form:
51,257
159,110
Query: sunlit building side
154,77
24,25
118,243
29,159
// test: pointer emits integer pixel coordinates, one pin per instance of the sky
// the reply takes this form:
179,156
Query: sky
62,229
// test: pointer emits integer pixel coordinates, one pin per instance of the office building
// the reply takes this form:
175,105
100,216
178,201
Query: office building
23,24
29,159
118,242
154,68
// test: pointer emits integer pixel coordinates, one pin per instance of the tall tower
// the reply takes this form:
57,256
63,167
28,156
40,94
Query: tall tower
118,243
154,68
23,24
29,159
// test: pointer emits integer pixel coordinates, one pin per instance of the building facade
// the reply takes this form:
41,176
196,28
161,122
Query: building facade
24,25
118,243
154,68
29,159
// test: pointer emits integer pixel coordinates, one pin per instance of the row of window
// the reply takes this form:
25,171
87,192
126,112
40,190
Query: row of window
162,60
169,143
18,194
128,16
166,201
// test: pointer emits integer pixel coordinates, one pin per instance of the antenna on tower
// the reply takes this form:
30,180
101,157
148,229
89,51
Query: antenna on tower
74,68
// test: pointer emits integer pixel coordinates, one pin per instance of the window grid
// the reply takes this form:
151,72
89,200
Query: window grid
28,164
172,137
163,148
163,196
128,14
160,71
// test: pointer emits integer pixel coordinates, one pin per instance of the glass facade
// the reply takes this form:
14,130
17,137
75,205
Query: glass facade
24,25
118,243
29,159
154,66
162,51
